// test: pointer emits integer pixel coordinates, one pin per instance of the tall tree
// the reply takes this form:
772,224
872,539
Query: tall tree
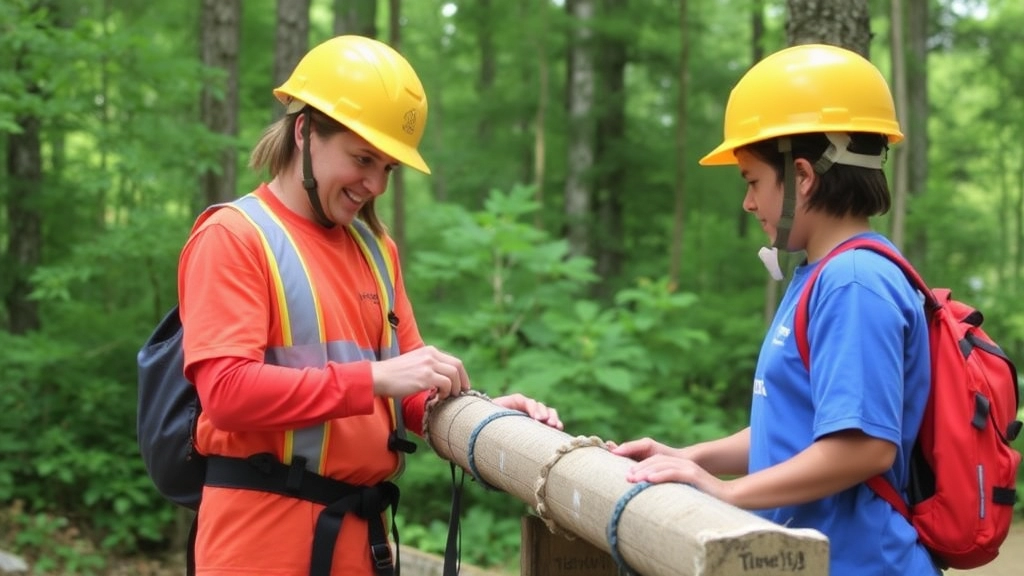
24,206
915,121
899,154
610,181
539,41
843,23
679,210
357,17
398,179
291,39
582,79
219,38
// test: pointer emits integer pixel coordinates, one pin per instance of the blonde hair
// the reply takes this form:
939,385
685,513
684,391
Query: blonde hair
276,149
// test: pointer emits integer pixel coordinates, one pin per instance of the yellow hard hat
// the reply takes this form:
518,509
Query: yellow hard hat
367,86
804,89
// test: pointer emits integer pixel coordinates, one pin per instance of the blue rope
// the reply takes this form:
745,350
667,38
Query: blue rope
613,525
472,443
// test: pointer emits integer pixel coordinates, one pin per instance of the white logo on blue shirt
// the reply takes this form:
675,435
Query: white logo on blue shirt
759,388
781,333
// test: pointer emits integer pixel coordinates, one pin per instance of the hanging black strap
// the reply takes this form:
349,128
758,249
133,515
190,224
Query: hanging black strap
265,473
190,549
452,552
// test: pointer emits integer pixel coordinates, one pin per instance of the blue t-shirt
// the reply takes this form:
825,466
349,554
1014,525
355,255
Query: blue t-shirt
870,371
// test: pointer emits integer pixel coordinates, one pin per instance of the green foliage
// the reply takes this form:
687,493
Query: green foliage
55,544
116,86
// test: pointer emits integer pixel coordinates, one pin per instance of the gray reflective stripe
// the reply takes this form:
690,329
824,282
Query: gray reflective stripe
307,347
374,246
300,300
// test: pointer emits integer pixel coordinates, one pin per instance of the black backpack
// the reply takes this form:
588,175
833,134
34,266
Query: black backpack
168,410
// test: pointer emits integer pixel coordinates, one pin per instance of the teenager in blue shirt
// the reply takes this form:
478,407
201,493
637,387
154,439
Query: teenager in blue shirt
809,129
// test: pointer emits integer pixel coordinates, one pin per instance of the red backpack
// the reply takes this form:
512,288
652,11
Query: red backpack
963,470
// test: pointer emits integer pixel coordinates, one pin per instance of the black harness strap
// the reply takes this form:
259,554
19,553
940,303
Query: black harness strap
265,473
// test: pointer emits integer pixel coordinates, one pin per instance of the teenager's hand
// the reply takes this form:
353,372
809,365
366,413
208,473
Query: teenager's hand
639,449
665,468
425,368
536,410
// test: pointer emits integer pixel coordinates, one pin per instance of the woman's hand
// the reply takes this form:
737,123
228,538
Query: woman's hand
534,409
426,368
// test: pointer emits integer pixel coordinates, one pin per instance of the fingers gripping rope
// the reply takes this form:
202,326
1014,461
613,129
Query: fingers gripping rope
430,405
612,531
540,492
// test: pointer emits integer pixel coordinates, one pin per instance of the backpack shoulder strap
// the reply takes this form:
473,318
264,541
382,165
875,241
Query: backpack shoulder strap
800,320
878,483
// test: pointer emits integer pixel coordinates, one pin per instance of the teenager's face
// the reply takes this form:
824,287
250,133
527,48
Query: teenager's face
349,172
764,191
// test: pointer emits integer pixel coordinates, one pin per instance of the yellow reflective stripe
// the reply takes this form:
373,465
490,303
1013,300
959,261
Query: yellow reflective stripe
289,445
316,458
385,298
321,330
275,276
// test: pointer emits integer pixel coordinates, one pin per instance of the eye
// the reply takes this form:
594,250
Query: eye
391,168
363,160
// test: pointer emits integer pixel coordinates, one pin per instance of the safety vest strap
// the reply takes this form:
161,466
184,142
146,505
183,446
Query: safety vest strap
379,257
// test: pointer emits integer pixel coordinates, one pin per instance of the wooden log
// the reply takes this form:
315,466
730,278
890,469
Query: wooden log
576,485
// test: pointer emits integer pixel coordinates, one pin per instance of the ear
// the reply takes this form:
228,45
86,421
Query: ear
300,121
806,178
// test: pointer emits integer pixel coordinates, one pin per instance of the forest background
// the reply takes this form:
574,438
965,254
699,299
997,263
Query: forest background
567,245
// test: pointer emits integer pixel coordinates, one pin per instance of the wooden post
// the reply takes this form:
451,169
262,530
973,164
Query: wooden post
544,553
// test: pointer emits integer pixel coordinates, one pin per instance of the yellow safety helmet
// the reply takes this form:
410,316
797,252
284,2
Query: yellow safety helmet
804,89
367,86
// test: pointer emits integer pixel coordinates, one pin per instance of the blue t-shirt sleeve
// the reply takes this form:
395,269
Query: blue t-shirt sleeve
856,346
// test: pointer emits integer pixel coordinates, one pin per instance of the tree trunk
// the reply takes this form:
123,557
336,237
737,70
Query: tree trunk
899,153
756,54
482,15
291,41
772,288
539,142
219,38
679,211
358,17
398,178
844,23
609,141
24,218
915,122
581,127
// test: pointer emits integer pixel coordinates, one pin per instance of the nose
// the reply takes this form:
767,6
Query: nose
376,181
748,202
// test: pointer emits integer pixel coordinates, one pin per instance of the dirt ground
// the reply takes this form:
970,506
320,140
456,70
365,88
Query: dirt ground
1010,561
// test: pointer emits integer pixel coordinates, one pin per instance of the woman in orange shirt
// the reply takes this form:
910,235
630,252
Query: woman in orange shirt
302,351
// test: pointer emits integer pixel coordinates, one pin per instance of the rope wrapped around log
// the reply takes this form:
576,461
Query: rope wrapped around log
578,487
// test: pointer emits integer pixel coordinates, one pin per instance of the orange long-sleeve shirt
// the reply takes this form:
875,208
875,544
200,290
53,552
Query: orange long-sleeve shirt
230,314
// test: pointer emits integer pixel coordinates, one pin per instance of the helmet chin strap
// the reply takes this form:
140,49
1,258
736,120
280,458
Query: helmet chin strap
308,181
770,256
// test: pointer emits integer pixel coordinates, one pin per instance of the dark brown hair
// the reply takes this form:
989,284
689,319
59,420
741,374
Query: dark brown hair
842,190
